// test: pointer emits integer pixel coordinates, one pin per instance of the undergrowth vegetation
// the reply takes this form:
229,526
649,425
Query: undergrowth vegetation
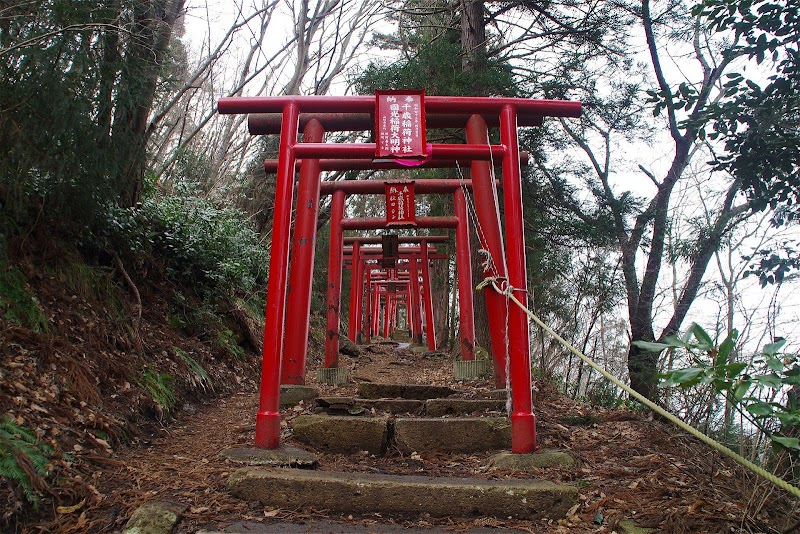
206,247
24,460
113,324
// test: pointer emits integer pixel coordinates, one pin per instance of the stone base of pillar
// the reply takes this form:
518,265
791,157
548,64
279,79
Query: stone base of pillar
332,375
465,370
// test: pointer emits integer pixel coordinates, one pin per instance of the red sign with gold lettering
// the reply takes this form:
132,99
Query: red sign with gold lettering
400,209
400,124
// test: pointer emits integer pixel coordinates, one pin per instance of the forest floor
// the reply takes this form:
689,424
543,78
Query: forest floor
628,466
85,385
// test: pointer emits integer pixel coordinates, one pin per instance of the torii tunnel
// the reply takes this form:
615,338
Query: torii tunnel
414,261
505,260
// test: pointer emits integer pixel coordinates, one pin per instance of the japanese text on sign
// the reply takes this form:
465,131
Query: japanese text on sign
400,124
400,204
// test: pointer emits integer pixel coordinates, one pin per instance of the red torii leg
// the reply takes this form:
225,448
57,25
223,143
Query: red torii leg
466,319
301,267
376,310
426,288
368,303
334,293
352,326
484,194
386,307
268,418
415,301
359,300
523,421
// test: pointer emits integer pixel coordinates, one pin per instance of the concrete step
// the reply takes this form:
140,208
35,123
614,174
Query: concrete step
342,434
454,435
356,406
362,493
371,390
440,407
430,408
347,434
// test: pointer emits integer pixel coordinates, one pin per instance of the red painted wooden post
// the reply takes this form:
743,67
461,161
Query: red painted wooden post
426,289
334,293
523,422
368,303
376,309
386,306
301,267
484,193
268,419
466,314
352,325
415,300
360,297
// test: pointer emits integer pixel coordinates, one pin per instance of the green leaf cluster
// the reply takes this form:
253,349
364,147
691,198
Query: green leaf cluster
204,246
160,386
759,122
23,458
714,366
17,304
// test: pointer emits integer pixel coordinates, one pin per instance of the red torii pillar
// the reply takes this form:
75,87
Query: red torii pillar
523,421
490,236
334,293
466,313
301,267
415,301
268,418
367,330
355,285
426,288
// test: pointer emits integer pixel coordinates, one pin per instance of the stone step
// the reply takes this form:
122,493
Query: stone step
455,435
430,408
371,390
362,493
440,407
342,434
356,406
346,434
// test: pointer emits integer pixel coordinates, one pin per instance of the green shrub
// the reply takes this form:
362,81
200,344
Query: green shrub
209,248
603,394
227,340
197,376
160,387
17,304
23,459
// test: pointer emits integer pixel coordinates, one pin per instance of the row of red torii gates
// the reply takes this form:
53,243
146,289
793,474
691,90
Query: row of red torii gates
399,120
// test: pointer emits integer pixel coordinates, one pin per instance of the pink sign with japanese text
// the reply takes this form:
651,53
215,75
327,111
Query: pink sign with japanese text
400,209
400,124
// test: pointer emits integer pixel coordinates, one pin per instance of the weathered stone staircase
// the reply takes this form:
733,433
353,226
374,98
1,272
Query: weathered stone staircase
403,419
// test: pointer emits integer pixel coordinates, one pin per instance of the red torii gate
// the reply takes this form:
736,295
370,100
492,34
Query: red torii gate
426,186
510,112
376,273
294,364
412,256
465,277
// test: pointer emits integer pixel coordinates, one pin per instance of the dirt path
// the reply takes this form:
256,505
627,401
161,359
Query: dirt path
629,467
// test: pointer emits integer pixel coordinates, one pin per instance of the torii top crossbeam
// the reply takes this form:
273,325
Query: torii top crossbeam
439,105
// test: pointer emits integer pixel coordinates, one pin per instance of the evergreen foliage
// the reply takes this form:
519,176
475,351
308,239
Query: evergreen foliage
23,459
206,247
17,303
161,389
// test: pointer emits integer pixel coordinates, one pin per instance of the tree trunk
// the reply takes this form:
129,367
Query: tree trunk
153,22
473,49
